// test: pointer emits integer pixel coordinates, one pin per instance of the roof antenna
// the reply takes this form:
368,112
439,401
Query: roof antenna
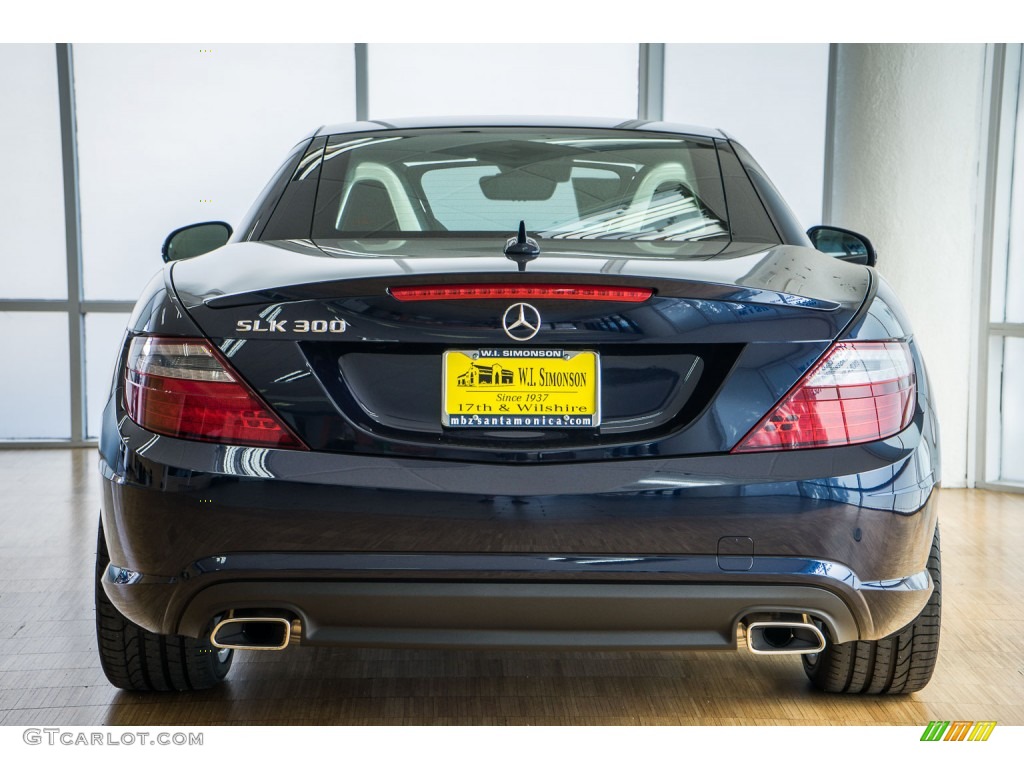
522,249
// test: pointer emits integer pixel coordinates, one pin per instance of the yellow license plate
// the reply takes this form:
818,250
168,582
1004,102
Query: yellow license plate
521,389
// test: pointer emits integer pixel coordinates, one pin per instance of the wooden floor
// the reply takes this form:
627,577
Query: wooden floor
49,673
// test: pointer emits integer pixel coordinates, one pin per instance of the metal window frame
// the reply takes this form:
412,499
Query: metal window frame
362,72
650,102
1005,93
828,171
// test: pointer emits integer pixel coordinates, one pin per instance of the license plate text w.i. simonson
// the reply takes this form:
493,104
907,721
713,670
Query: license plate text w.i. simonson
521,388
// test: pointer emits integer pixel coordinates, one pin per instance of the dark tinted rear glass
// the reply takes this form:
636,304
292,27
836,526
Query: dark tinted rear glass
565,184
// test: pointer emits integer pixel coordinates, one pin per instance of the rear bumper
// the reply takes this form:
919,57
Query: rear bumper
506,601
668,553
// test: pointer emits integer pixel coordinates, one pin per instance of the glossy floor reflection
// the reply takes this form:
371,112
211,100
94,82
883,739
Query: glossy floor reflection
49,673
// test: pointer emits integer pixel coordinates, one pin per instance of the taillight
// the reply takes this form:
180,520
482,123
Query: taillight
184,388
859,392
521,291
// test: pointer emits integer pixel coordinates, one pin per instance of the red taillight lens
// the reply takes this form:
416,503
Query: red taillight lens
522,291
183,388
859,392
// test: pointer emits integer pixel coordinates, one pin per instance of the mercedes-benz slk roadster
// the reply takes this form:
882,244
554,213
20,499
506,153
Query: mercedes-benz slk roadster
515,383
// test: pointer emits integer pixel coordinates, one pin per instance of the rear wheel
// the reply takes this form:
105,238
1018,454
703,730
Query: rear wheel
903,662
136,659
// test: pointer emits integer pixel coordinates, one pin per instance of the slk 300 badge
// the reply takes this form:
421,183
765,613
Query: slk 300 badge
297,326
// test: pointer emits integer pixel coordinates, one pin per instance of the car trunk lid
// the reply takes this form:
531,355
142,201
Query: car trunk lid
317,330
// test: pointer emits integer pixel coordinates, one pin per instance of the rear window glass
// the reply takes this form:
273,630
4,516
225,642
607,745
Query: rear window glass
565,184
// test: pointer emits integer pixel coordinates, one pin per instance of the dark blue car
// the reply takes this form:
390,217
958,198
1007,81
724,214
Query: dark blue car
522,384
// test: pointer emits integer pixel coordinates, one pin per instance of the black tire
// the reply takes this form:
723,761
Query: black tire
903,662
136,659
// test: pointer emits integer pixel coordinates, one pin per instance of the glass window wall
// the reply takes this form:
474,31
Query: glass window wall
32,249
170,135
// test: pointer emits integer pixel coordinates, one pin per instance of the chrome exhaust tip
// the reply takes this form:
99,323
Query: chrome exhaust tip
252,633
782,637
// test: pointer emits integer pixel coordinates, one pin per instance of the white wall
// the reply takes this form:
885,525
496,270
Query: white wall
771,98
907,137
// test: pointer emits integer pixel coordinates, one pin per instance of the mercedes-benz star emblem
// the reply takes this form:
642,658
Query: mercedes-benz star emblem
521,322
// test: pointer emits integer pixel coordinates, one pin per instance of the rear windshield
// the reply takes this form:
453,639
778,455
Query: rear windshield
565,184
